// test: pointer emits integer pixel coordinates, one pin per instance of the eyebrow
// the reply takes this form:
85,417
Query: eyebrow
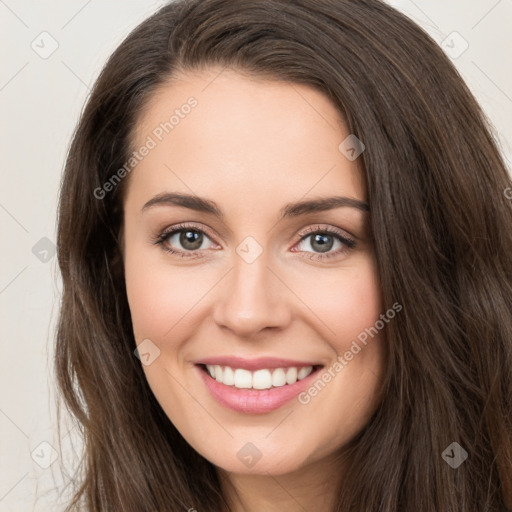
290,210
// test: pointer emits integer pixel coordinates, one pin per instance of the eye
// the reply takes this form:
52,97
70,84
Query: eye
323,239
190,238
193,239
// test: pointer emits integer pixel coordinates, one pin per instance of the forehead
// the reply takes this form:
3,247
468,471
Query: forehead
241,139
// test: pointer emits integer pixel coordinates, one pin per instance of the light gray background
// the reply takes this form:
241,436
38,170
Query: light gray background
40,101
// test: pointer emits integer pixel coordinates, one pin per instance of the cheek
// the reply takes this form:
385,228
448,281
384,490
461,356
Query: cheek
345,301
158,295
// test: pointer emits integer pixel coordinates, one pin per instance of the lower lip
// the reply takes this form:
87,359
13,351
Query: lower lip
254,401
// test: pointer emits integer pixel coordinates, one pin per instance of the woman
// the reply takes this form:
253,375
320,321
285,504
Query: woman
285,249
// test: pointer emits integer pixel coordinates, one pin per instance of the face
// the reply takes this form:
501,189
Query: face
227,276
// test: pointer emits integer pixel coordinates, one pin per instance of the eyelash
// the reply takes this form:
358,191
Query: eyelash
349,243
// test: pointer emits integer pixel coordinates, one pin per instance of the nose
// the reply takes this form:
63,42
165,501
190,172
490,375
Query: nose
252,297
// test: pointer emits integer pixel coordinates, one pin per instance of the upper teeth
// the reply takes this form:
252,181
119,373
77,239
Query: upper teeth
260,379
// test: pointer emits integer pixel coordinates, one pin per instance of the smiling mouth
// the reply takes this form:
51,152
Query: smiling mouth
261,379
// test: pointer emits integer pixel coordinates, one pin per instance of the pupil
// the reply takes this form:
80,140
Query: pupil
325,242
191,240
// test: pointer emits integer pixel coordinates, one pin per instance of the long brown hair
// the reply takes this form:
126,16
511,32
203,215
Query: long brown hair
442,232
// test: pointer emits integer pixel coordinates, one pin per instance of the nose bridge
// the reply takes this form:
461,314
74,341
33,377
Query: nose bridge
251,297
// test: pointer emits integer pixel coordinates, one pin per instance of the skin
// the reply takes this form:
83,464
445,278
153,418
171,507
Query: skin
252,146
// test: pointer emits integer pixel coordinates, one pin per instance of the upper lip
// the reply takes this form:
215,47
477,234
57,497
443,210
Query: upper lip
254,364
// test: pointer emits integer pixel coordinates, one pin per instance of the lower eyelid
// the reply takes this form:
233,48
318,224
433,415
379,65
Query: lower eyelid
345,241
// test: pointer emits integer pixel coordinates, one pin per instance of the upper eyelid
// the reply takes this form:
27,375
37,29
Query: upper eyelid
332,230
183,226
304,234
